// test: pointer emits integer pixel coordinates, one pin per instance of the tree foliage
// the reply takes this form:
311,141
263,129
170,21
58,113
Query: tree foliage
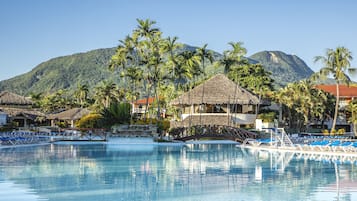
116,113
305,100
336,62
352,108
90,121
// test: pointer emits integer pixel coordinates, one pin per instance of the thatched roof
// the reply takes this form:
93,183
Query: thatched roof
71,114
217,90
8,98
29,113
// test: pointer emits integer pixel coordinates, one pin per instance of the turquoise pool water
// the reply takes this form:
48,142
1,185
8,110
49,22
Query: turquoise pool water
193,172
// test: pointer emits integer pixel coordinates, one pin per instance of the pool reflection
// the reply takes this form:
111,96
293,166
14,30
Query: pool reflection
191,172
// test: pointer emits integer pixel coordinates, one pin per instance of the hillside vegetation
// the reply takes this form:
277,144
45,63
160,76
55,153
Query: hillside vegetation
91,67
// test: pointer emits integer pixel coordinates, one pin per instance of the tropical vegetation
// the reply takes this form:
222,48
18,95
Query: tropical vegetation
352,108
336,62
302,102
146,64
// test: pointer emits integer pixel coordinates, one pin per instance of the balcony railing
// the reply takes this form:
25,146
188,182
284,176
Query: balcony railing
216,119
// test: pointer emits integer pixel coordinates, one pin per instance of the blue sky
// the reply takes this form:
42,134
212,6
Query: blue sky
34,31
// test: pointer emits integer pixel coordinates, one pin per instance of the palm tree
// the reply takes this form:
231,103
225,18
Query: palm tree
190,61
36,98
238,51
255,78
175,71
336,63
204,54
81,94
105,93
145,28
303,98
135,75
119,59
288,96
56,102
231,60
152,53
189,68
170,45
176,74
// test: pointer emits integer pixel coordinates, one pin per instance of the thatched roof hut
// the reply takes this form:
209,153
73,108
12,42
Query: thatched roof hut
8,98
71,114
30,113
22,116
217,90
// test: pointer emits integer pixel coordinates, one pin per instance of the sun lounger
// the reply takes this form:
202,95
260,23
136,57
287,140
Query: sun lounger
345,146
19,138
333,146
353,147
319,145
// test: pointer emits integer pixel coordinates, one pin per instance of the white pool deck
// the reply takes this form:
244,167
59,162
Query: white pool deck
305,149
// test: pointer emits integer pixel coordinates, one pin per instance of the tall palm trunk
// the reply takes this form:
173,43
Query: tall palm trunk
191,112
132,102
336,107
257,108
158,101
147,101
354,119
157,85
235,104
203,92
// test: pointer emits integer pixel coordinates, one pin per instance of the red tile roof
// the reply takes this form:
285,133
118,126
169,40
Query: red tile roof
143,101
345,91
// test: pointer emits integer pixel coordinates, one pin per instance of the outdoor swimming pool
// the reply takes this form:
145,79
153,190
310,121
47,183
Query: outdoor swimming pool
193,172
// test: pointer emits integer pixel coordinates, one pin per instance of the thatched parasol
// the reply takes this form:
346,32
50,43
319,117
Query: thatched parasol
217,90
8,98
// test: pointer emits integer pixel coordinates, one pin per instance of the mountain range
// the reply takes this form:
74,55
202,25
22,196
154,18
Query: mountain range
91,67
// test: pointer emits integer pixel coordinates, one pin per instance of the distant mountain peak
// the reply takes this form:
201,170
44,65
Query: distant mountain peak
285,68
273,57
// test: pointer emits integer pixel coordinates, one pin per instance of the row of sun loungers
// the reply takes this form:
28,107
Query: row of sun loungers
21,137
31,137
330,146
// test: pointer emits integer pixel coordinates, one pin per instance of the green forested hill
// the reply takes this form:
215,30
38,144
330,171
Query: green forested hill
92,67
63,73
285,68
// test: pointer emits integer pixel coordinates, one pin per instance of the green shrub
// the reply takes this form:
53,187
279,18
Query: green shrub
89,121
116,113
267,117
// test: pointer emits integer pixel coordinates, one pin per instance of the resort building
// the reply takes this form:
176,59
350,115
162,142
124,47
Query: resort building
346,94
217,101
19,110
139,106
